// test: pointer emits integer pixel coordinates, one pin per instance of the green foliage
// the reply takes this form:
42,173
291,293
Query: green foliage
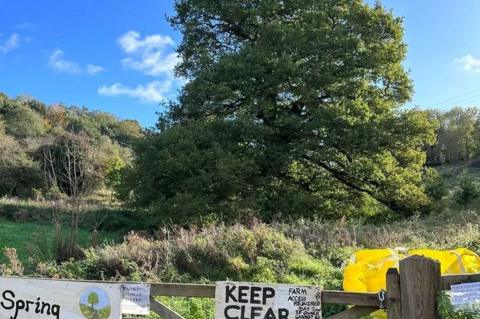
457,136
19,175
36,240
37,141
126,132
435,185
258,253
467,191
93,299
113,171
23,122
191,307
447,311
311,91
195,169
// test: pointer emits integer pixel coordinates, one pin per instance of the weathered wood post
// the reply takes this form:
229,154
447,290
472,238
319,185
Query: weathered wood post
420,281
394,301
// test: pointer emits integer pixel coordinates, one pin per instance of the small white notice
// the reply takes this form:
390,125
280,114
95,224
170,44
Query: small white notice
235,300
135,299
466,296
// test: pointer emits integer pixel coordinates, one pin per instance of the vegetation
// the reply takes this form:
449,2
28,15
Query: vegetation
39,142
287,150
292,109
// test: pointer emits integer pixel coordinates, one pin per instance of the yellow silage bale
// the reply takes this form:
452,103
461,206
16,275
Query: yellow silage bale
366,270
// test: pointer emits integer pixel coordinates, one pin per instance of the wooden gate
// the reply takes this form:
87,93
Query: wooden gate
411,293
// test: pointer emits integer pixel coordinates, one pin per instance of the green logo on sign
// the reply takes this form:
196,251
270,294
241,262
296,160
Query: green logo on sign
95,304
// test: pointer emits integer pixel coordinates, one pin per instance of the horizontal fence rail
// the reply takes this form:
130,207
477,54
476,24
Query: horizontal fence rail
366,299
364,302
449,280
411,293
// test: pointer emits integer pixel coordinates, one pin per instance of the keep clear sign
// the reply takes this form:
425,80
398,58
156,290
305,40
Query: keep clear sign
235,300
48,299
466,296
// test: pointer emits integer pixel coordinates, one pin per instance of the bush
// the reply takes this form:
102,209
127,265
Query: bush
435,186
467,191
19,175
257,253
214,253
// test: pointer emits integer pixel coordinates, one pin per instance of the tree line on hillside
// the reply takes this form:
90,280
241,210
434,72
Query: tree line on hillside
58,150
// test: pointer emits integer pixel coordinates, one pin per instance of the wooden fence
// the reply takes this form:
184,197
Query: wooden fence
411,293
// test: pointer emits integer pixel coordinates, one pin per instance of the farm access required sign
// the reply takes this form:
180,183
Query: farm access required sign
236,300
59,299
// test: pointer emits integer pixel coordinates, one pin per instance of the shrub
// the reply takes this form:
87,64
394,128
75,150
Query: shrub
435,185
257,253
214,253
467,191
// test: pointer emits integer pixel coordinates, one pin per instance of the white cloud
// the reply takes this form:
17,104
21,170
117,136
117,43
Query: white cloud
469,63
152,55
153,92
60,64
93,69
148,54
10,44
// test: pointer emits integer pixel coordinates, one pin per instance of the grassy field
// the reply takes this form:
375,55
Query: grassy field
31,237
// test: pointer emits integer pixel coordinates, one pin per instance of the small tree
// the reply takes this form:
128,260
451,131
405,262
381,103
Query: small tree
467,191
69,167
93,300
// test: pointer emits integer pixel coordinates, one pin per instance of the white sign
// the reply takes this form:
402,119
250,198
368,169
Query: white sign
466,296
135,299
235,300
49,299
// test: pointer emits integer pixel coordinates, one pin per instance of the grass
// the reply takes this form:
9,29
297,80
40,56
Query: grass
109,217
31,236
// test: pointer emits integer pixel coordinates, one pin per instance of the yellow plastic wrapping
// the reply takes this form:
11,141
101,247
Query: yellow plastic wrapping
366,270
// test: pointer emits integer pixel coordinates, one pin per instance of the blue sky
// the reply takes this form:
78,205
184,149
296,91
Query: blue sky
117,56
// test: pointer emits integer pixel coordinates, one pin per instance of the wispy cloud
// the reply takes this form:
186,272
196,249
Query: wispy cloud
152,55
153,92
149,54
10,44
60,64
469,63
93,69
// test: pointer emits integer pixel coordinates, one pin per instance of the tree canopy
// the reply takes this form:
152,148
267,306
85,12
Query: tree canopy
66,149
316,87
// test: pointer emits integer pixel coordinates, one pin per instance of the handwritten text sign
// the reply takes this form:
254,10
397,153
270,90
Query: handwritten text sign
235,300
466,296
135,299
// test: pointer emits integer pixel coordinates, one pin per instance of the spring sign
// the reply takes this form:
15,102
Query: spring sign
235,300
57,299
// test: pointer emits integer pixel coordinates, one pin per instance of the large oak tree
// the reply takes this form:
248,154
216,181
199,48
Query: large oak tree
313,92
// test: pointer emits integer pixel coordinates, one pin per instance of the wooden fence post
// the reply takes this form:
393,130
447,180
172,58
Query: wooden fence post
420,281
394,302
